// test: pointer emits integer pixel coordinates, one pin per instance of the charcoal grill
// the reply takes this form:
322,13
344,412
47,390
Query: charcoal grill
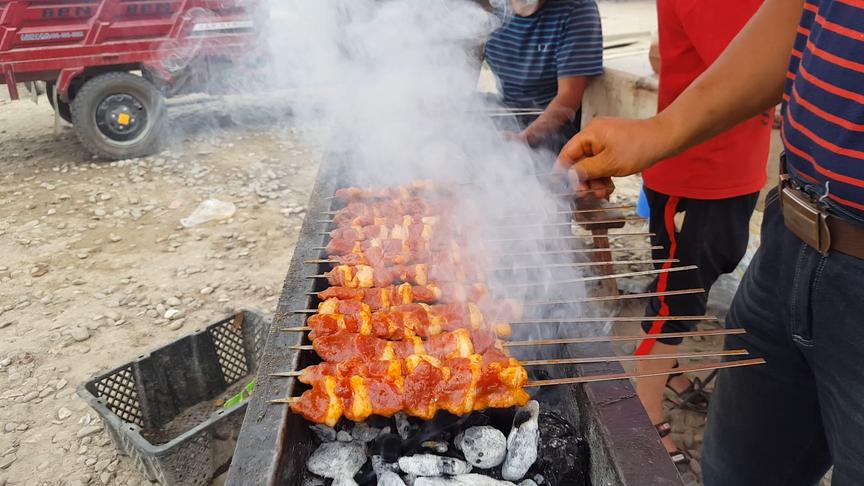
274,444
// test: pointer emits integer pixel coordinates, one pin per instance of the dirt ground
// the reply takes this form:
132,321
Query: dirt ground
96,268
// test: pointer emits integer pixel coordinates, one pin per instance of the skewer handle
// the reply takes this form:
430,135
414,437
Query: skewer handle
580,320
610,339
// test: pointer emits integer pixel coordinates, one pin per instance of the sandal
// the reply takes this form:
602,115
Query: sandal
679,457
695,397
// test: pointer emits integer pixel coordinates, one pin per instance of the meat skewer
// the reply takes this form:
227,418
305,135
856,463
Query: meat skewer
419,385
366,276
378,298
408,320
344,345
311,374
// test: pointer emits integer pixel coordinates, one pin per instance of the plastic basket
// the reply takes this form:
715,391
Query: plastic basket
162,409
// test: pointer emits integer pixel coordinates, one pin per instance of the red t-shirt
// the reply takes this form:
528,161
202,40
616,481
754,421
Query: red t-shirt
693,34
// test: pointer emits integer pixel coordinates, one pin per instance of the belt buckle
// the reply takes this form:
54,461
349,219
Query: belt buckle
805,219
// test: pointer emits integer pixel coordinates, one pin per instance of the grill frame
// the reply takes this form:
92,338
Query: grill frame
274,443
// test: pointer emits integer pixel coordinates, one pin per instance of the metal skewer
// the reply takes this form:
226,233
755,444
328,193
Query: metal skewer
581,264
625,219
590,339
613,376
523,215
604,277
584,300
548,252
568,237
645,374
575,320
597,359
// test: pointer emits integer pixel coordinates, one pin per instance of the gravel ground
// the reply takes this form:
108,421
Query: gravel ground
97,269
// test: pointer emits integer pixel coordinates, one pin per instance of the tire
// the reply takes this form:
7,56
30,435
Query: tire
119,116
64,110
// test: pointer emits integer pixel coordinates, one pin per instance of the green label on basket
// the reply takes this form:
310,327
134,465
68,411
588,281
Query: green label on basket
243,395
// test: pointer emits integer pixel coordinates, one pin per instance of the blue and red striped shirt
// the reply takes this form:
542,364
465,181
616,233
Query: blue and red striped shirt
823,115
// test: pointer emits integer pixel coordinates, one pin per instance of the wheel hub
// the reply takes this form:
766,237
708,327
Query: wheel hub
121,117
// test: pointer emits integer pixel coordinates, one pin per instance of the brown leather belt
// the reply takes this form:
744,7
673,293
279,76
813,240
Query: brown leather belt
807,218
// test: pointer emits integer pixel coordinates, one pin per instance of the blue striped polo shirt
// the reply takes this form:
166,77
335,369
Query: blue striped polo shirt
530,54
823,115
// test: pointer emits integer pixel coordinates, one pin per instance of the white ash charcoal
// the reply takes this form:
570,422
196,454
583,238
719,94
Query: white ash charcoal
522,443
431,465
363,433
337,459
462,480
344,481
403,426
324,433
439,447
484,447
389,478
343,436
380,467
527,482
314,481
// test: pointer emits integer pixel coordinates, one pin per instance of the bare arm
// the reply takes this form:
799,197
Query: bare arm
746,80
561,109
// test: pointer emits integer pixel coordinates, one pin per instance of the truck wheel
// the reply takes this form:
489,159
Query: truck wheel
63,109
119,116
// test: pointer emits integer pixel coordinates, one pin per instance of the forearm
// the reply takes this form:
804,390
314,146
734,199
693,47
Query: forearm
746,80
560,110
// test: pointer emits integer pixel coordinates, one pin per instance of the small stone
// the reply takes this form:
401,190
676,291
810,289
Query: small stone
343,436
79,333
88,431
522,443
83,255
39,270
64,413
114,238
389,478
337,459
207,291
172,302
77,482
46,391
173,314
484,447
61,384
432,465
175,326
99,212
105,477
29,397
9,427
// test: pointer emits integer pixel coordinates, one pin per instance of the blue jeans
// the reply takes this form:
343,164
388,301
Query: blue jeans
785,423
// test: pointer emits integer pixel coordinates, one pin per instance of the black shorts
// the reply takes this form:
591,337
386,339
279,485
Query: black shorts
713,236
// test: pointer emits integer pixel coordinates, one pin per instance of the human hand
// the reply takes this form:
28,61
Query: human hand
610,147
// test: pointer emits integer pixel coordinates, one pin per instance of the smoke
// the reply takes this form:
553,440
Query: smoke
391,86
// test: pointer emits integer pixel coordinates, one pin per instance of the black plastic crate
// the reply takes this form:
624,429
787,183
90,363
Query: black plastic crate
162,411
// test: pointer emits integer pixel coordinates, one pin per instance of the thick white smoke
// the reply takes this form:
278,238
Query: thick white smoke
391,85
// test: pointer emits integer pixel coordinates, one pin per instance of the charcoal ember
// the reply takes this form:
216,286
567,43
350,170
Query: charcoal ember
462,480
343,436
431,465
389,447
440,447
522,442
323,432
337,459
403,426
344,481
313,481
527,482
380,466
563,453
389,478
484,447
363,433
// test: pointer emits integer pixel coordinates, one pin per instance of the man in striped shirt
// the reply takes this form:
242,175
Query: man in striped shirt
802,299
543,55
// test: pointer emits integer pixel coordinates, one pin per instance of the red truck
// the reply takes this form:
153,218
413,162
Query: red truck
108,65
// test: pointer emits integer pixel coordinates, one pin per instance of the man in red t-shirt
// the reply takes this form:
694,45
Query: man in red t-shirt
701,200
